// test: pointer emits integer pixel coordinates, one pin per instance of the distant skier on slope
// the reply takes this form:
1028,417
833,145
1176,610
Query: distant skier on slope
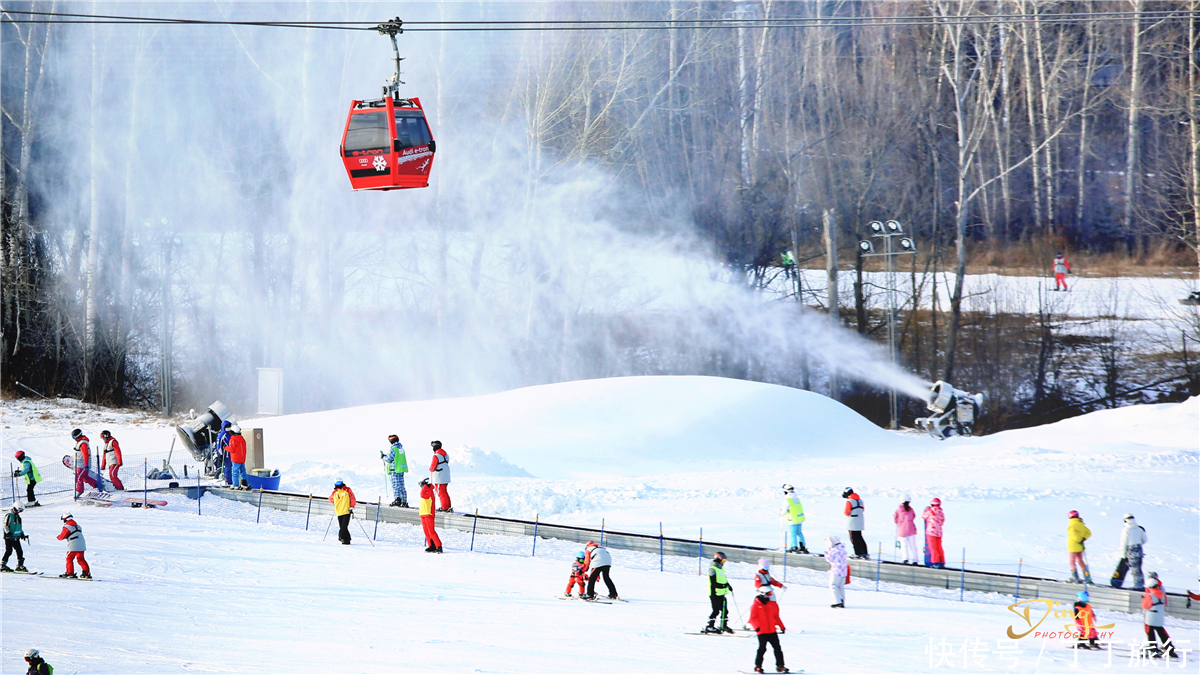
13,534
764,618
1154,604
1077,533
793,512
718,595
600,563
111,458
1132,539
83,461
906,530
439,475
839,568
1085,621
578,574
397,466
855,520
76,546
763,578
343,502
1061,268
432,540
934,518
31,474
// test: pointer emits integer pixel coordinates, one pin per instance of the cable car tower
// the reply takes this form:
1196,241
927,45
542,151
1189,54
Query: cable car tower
386,144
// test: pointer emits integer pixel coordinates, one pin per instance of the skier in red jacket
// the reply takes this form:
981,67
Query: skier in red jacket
111,458
83,461
1061,268
439,475
764,617
237,454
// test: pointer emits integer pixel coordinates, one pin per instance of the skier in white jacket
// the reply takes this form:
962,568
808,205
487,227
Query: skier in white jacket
835,555
1132,539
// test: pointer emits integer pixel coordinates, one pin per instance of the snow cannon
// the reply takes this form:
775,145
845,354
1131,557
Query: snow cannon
955,411
199,436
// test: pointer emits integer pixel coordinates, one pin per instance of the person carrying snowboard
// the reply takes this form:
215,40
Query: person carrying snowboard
83,462
855,521
934,518
1077,533
31,474
439,475
237,455
839,569
600,562
793,511
397,466
76,546
1061,268
343,502
13,534
433,541
764,618
578,574
906,530
37,665
763,579
111,458
1132,539
718,592
1085,620
1154,604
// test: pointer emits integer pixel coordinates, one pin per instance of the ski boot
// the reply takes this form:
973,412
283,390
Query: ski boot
711,628
404,505
21,568
803,549
782,669
5,568
429,549
1087,578
395,502
1075,577
445,510
726,629
758,669
85,575
67,575
838,605
437,549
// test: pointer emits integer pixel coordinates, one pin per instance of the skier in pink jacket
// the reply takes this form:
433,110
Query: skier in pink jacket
906,530
934,518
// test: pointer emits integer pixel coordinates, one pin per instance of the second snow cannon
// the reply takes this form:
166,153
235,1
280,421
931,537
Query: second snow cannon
199,436
955,411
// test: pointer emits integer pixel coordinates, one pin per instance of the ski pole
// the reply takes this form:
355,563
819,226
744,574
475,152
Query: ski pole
327,527
364,530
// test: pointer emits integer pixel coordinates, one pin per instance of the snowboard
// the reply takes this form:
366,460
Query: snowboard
69,462
1118,577
102,498
928,557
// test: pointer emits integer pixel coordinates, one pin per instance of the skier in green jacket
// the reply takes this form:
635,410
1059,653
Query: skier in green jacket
31,474
397,466
718,590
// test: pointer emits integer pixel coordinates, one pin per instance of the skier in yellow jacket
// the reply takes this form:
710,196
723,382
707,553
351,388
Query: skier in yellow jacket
343,501
1077,533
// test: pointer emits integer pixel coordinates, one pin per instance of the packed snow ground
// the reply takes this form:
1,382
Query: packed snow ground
218,592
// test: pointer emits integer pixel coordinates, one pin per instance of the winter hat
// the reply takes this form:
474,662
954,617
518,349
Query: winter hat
847,492
1073,514
1083,596
907,499
936,502
834,540
765,589
225,424
20,454
76,433
764,564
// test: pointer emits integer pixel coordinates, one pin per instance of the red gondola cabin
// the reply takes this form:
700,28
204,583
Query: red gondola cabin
387,144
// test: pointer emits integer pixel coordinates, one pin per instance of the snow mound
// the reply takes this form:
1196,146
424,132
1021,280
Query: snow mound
475,462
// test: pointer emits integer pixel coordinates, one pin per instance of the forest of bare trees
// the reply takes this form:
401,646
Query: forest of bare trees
994,131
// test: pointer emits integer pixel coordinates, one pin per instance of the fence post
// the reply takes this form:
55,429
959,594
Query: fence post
785,564
660,547
1017,593
145,481
308,514
536,518
378,505
199,493
962,579
259,516
11,472
700,554
878,564
473,522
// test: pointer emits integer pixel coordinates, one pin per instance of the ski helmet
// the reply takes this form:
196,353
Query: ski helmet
847,492
766,589
580,555
20,454
66,516
76,433
105,434
764,564
1128,516
1153,582
393,439
17,508
1073,514
338,484
1083,596
437,445
936,502
234,428
788,488
719,557
32,654
423,482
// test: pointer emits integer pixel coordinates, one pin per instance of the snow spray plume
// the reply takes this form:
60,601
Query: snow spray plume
516,267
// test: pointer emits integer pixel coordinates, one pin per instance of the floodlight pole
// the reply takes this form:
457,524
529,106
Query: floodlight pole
887,232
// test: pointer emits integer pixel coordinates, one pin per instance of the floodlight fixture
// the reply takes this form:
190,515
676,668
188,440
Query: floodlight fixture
865,247
907,244
894,227
876,227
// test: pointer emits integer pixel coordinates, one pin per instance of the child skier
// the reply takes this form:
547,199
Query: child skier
763,579
934,519
76,547
1085,619
764,617
343,502
839,567
579,569
426,513
13,534
31,474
